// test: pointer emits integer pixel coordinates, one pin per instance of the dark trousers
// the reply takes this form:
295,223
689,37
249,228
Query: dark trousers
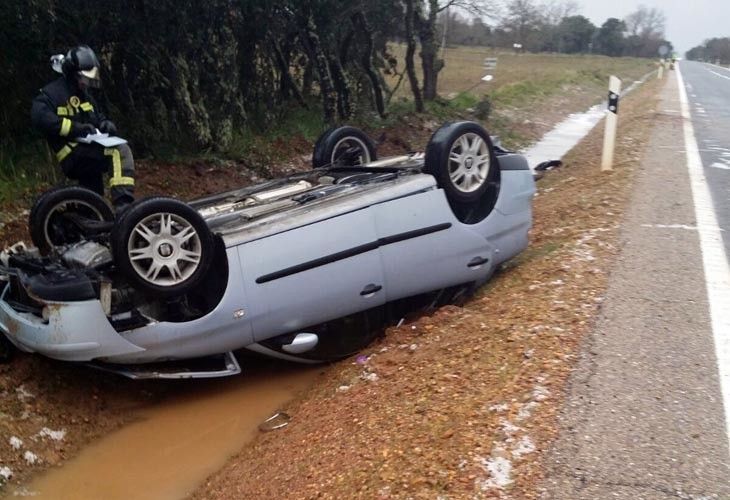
88,163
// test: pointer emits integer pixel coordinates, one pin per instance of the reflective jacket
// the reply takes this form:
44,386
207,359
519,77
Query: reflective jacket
58,110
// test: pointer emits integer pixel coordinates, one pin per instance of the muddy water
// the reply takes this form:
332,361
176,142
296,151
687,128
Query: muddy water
175,445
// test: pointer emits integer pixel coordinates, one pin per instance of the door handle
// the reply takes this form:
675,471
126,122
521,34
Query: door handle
477,262
370,289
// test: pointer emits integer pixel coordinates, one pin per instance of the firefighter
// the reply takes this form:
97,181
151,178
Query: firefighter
65,111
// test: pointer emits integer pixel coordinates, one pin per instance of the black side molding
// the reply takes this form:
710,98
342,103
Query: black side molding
351,252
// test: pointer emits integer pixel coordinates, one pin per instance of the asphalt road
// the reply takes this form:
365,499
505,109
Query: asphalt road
708,90
644,416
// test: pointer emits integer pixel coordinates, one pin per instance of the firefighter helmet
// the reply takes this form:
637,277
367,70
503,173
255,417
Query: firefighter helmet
81,66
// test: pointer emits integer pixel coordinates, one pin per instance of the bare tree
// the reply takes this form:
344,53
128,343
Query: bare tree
425,21
554,12
646,22
522,19
645,28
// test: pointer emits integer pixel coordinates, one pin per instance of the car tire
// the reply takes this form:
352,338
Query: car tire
162,246
47,224
343,146
461,157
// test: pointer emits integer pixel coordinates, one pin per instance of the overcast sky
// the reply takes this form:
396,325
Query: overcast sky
689,22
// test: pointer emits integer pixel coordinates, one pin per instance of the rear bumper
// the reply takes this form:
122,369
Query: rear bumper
75,331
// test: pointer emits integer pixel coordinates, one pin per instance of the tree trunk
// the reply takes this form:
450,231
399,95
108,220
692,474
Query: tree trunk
363,27
316,53
430,63
307,79
410,51
343,91
287,85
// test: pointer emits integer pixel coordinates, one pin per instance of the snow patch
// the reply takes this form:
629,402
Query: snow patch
500,471
31,458
23,492
540,393
5,473
15,442
523,447
526,410
23,393
51,434
508,427
499,408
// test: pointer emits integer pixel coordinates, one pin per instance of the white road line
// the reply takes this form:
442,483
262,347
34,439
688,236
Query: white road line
671,226
717,269
718,74
719,67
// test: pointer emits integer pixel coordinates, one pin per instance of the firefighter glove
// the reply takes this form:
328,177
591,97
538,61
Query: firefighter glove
83,129
108,127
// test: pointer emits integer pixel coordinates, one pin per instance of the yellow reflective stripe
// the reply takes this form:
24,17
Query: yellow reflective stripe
86,106
62,111
63,153
65,127
121,181
117,178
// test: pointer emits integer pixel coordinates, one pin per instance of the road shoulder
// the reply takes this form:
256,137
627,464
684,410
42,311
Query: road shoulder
643,415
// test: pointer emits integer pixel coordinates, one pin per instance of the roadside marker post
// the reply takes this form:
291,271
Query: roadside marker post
609,138
663,51
490,65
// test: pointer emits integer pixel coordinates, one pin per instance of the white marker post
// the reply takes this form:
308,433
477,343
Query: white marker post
490,64
660,73
609,138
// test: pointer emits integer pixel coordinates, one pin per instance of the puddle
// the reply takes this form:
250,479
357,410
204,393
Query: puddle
175,445
566,134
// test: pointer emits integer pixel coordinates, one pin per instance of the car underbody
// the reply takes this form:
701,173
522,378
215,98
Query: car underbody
296,262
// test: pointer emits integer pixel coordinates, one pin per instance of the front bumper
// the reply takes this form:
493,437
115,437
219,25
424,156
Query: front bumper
75,331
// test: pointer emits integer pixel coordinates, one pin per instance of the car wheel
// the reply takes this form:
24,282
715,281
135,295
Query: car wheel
51,218
162,246
343,146
461,157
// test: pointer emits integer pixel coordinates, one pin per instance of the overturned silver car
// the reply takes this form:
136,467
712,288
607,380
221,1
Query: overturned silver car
303,268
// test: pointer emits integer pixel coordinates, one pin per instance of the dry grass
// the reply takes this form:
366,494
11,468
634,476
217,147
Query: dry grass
464,70
530,92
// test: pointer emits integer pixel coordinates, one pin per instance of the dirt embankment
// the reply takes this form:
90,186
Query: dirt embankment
415,417
462,404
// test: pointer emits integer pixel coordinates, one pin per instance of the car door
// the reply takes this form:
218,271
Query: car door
425,248
312,274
